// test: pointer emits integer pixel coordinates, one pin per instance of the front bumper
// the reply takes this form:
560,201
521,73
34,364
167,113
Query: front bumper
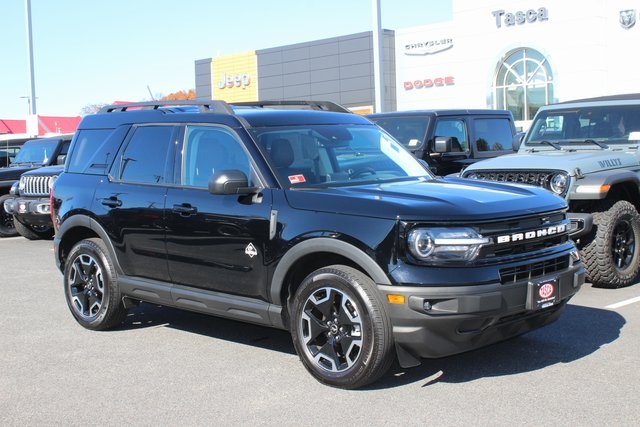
441,321
33,211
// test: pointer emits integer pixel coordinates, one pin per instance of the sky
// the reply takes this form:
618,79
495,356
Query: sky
99,51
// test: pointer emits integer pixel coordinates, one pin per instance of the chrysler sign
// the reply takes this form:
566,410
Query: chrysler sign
428,47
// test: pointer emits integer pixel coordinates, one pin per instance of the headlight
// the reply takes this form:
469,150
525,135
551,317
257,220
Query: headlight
472,175
22,184
14,188
558,183
445,245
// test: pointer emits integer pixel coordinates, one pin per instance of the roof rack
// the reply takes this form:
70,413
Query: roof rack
208,106
296,104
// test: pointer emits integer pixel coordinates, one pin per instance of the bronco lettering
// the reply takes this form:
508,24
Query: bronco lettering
534,234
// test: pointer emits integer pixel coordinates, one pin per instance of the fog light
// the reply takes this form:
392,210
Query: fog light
427,306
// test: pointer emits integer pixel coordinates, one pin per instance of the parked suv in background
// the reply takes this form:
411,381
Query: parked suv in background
33,154
449,140
586,151
316,222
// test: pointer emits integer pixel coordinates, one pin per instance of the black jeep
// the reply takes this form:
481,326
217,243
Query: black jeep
33,154
316,222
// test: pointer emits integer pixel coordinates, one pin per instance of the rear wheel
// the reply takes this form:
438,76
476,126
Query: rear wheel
91,286
7,229
340,328
611,257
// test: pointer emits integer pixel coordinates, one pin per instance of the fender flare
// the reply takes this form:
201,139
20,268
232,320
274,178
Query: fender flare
86,221
596,180
323,244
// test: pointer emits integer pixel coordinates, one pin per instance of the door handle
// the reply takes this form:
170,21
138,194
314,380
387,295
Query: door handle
112,202
185,209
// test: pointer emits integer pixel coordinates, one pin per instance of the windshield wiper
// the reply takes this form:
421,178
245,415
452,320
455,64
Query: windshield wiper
599,144
552,144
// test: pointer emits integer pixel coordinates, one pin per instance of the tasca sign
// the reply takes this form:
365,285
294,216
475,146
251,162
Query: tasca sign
520,17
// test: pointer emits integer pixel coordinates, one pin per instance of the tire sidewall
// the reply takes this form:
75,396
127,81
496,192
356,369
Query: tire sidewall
608,220
6,231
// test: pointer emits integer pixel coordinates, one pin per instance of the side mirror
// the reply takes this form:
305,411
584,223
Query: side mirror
61,159
230,181
442,144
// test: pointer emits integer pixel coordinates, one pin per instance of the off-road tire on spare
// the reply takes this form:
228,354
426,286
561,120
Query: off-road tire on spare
612,256
91,286
33,233
7,229
340,327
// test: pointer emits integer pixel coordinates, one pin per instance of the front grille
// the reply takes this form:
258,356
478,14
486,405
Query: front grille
518,231
540,178
534,270
36,185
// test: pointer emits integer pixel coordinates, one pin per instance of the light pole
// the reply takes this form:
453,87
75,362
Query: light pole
378,58
32,95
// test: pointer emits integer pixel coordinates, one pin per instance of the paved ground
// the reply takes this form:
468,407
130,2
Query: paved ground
167,367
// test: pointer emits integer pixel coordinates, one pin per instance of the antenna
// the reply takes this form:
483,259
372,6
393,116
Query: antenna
150,94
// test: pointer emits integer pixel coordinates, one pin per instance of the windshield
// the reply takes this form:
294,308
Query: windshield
609,124
333,155
35,152
410,131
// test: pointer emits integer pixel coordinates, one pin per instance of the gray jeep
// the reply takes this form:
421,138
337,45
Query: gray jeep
586,151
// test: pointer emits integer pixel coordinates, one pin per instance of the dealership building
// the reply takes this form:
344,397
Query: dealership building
516,55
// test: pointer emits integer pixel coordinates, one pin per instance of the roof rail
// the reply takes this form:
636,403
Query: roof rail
204,106
296,104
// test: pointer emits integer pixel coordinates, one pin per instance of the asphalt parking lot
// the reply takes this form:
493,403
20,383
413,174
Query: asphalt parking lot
168,367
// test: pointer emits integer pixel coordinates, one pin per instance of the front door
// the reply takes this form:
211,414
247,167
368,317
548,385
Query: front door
216,242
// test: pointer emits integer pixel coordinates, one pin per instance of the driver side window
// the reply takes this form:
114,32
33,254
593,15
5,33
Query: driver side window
208,150
454,129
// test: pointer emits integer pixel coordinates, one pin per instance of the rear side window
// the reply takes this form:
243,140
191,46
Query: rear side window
92,153
146,157
493,134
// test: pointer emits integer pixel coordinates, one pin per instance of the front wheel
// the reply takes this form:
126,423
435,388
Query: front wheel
33,232
611,257
340,328
91,286
7,229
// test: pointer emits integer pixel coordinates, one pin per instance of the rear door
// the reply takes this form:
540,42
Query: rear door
130,204
216,242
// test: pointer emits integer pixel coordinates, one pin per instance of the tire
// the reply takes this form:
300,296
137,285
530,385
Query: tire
91,286
7,229
611,257
340,328
43,232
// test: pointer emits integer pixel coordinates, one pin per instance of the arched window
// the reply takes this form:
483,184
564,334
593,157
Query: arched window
523,83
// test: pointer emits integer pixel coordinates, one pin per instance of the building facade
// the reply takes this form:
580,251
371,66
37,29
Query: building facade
338,69
516,55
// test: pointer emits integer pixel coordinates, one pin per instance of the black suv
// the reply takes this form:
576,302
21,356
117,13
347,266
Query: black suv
451,139
28,198
316,222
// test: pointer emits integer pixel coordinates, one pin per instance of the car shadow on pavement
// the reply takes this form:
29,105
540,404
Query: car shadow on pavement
150,315
579,332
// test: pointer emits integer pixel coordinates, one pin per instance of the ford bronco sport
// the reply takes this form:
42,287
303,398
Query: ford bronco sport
316,222
586,151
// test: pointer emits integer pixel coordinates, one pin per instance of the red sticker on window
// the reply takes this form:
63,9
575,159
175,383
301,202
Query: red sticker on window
296,179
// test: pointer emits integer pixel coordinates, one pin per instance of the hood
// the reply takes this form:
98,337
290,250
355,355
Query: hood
13,172
46,171
446,199
587,161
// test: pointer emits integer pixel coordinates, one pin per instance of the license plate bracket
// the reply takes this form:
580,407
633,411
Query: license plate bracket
542,294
